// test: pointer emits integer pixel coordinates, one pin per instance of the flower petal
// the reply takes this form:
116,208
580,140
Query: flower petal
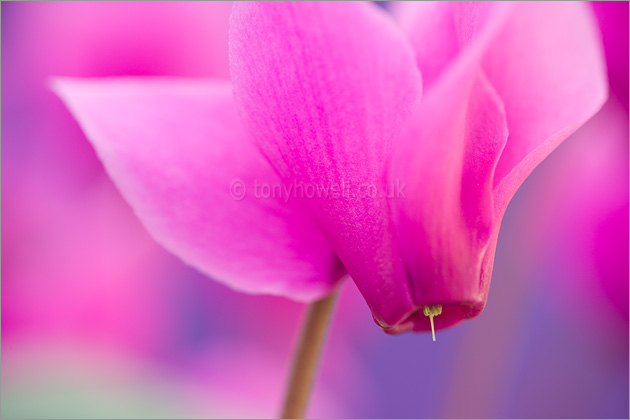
449,245
179,155
326,88
548,66
447,159
430,28
439,31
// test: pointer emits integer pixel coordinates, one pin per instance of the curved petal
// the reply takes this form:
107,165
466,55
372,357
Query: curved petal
459,149
613,23
179,155
326,88
430,28
548,66
447,159
439,31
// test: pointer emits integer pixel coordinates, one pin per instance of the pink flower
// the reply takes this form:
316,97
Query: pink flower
75,259
408,187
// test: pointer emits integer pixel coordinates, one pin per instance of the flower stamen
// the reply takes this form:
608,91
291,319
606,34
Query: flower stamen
431,311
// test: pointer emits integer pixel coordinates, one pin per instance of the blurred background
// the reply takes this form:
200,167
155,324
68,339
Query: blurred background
98,321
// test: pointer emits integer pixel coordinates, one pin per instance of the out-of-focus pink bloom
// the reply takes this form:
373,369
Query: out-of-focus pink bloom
590,242
64,268
579,227
84,39
328,97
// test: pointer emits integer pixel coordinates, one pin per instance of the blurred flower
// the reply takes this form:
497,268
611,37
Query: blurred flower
75,257
92,39
326,110
581,228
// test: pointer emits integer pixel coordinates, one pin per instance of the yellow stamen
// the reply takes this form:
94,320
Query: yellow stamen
431,311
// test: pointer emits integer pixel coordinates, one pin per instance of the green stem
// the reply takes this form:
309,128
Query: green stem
306,357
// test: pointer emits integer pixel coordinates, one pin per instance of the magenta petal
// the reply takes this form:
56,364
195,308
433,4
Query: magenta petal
326,88
447,159
178,153
543,78
438,31
548,66
431,30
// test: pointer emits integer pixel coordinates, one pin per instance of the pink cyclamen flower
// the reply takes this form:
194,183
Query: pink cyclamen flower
410,175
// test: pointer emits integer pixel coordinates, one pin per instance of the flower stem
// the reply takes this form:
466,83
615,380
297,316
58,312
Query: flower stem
306,357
